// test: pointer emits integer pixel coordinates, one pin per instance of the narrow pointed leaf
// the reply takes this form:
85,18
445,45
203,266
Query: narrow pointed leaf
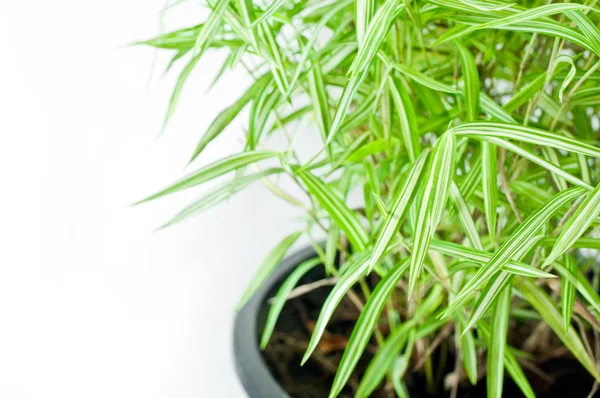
365,325
267,267
469,353
471,82
348,279
547,309
510,363
363,10
344,103
482,257
269,11
212,23
497,345
281,297
422,78
275,58
226,116
383,360
580,282
586,26
464,215
433,199
374,36
385,356
570,74
397,209
185,73
489,167
540,161
213,170
515,242
220,194
247,10
407,118
568,293
525,134
489,296
337,209
577,224
319,99
512,21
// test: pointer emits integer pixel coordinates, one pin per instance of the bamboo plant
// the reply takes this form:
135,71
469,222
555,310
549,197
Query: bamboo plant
470,128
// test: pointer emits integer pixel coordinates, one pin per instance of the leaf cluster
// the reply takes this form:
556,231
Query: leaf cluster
471,128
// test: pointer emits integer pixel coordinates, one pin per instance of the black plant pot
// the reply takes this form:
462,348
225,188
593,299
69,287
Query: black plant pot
249,362
259,382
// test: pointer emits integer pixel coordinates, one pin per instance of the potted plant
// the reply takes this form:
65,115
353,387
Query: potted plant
470,130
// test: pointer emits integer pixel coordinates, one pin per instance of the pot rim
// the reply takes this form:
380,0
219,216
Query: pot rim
250,365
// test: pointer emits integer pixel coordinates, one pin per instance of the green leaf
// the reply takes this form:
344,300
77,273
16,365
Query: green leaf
586,26
581,243
181,39
318,96
401,202
365,325
383,360
309,47
525,134
568,293
363,11
262,108
497,345
266,268
435,193
337,209
513,21
570,75
580,282
268,12
586,97
464,215
555,170
178,87
494,110
385,356
471,81
513,244
281,297
576,225
526,93
489,296
344,103
275,58
208,30
489,166
510,363
212,171
333,238
226,116
487,6
547,309
356,270
466,343
247,10
419,77
407,118
374,36
479,257
469,353
220,194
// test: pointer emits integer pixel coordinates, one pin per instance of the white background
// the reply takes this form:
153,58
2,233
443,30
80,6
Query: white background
93,302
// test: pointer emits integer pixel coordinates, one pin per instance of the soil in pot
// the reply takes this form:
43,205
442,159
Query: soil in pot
553,374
